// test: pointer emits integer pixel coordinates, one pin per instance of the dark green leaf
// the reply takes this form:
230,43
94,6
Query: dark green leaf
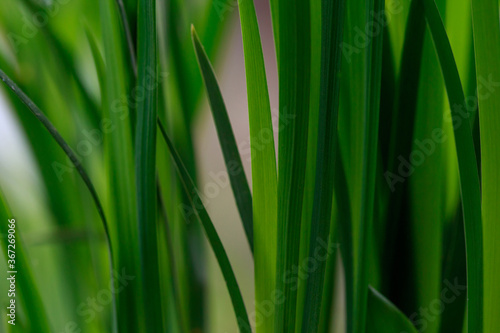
213,238
331,39
234,167
145,163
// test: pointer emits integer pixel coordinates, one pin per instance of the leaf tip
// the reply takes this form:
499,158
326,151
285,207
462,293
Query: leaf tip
193,32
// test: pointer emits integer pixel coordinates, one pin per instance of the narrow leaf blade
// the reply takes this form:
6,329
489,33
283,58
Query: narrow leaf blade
468,170
145,163
331,38
264,175
213,237
487,50
232,158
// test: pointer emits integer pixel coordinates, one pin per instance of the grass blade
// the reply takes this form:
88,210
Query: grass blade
331,38
213,238
179,96
145,162
425,186
171,260
294,78
264,176
487,50
468,171
234,166
119,162
312,141
369,161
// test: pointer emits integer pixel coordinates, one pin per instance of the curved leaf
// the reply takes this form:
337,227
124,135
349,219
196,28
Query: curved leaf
383,316
468,170
213,238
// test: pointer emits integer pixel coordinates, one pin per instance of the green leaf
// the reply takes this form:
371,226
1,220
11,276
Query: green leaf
213,238
368,170
426,213
145,163
312,141
119,163
331,39
171,260
383,316
232,158
487,50
264,176
294,77
468,171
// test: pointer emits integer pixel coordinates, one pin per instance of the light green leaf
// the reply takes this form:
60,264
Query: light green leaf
487,49
264,175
